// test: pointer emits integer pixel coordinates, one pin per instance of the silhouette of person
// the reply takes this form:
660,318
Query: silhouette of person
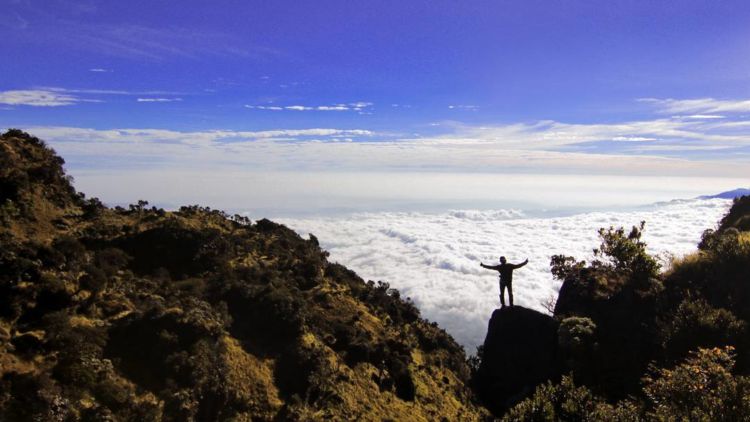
506,277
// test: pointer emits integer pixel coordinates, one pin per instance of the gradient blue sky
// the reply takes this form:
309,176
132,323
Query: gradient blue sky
387,89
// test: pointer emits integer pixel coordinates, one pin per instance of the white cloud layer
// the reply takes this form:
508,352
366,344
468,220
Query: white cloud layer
319,169
660,147
434,258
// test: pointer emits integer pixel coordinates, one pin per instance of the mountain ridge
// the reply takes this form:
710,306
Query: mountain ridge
730,194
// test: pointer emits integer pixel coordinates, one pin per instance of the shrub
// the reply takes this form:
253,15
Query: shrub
92,208
111,260
73,251
626,253
701,389
697,324
556,402
577,340
563,267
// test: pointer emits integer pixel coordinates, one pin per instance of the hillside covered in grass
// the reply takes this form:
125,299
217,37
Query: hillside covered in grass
143,314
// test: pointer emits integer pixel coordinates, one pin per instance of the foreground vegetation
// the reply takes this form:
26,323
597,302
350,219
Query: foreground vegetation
635,343
142,314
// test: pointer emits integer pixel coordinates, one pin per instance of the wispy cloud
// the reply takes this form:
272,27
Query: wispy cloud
99,70
38,98
545,147
106,91
46,25
212,138
700,116
158,100
553,135
157,43
360,106
464,107
699,106
273,108
56,96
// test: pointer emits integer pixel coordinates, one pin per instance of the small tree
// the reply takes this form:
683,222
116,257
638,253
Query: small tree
626,253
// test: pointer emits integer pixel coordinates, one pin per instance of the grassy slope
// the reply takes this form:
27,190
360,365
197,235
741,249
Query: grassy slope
146,314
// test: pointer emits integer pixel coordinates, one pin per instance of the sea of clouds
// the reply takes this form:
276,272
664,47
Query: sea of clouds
434,257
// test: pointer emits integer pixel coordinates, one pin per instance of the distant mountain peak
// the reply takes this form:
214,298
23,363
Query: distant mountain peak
730,194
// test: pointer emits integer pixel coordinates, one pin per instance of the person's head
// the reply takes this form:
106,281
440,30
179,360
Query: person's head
502,260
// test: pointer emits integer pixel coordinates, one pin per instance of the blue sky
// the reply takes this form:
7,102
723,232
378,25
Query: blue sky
381,88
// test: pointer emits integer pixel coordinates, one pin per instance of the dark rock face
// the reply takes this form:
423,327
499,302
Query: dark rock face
520,352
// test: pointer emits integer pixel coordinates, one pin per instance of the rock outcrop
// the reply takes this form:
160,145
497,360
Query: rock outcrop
519,353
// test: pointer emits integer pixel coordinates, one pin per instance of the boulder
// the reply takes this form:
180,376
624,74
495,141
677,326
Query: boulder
520,352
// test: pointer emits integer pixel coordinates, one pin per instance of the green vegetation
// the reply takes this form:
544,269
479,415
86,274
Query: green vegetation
141,314
645,345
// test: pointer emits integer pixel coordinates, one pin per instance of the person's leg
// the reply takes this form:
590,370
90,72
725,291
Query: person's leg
502,294
510,293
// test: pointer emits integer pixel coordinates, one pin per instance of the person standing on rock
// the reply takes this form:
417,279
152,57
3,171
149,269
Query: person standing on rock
506,277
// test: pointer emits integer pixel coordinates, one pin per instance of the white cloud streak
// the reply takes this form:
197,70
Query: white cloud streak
158,100
359,106
37,98
107,91
706,106
57,97
464,107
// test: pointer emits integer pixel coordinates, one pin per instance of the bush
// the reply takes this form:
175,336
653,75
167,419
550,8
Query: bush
556,402
111,260
701,389
73,251
92,208
577,341
697,324
719,273
94,280
30,397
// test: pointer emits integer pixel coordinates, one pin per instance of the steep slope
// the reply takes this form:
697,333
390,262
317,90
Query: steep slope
143,314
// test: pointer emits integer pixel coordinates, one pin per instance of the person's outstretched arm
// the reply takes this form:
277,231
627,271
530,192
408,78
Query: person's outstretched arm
522,264
489,267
